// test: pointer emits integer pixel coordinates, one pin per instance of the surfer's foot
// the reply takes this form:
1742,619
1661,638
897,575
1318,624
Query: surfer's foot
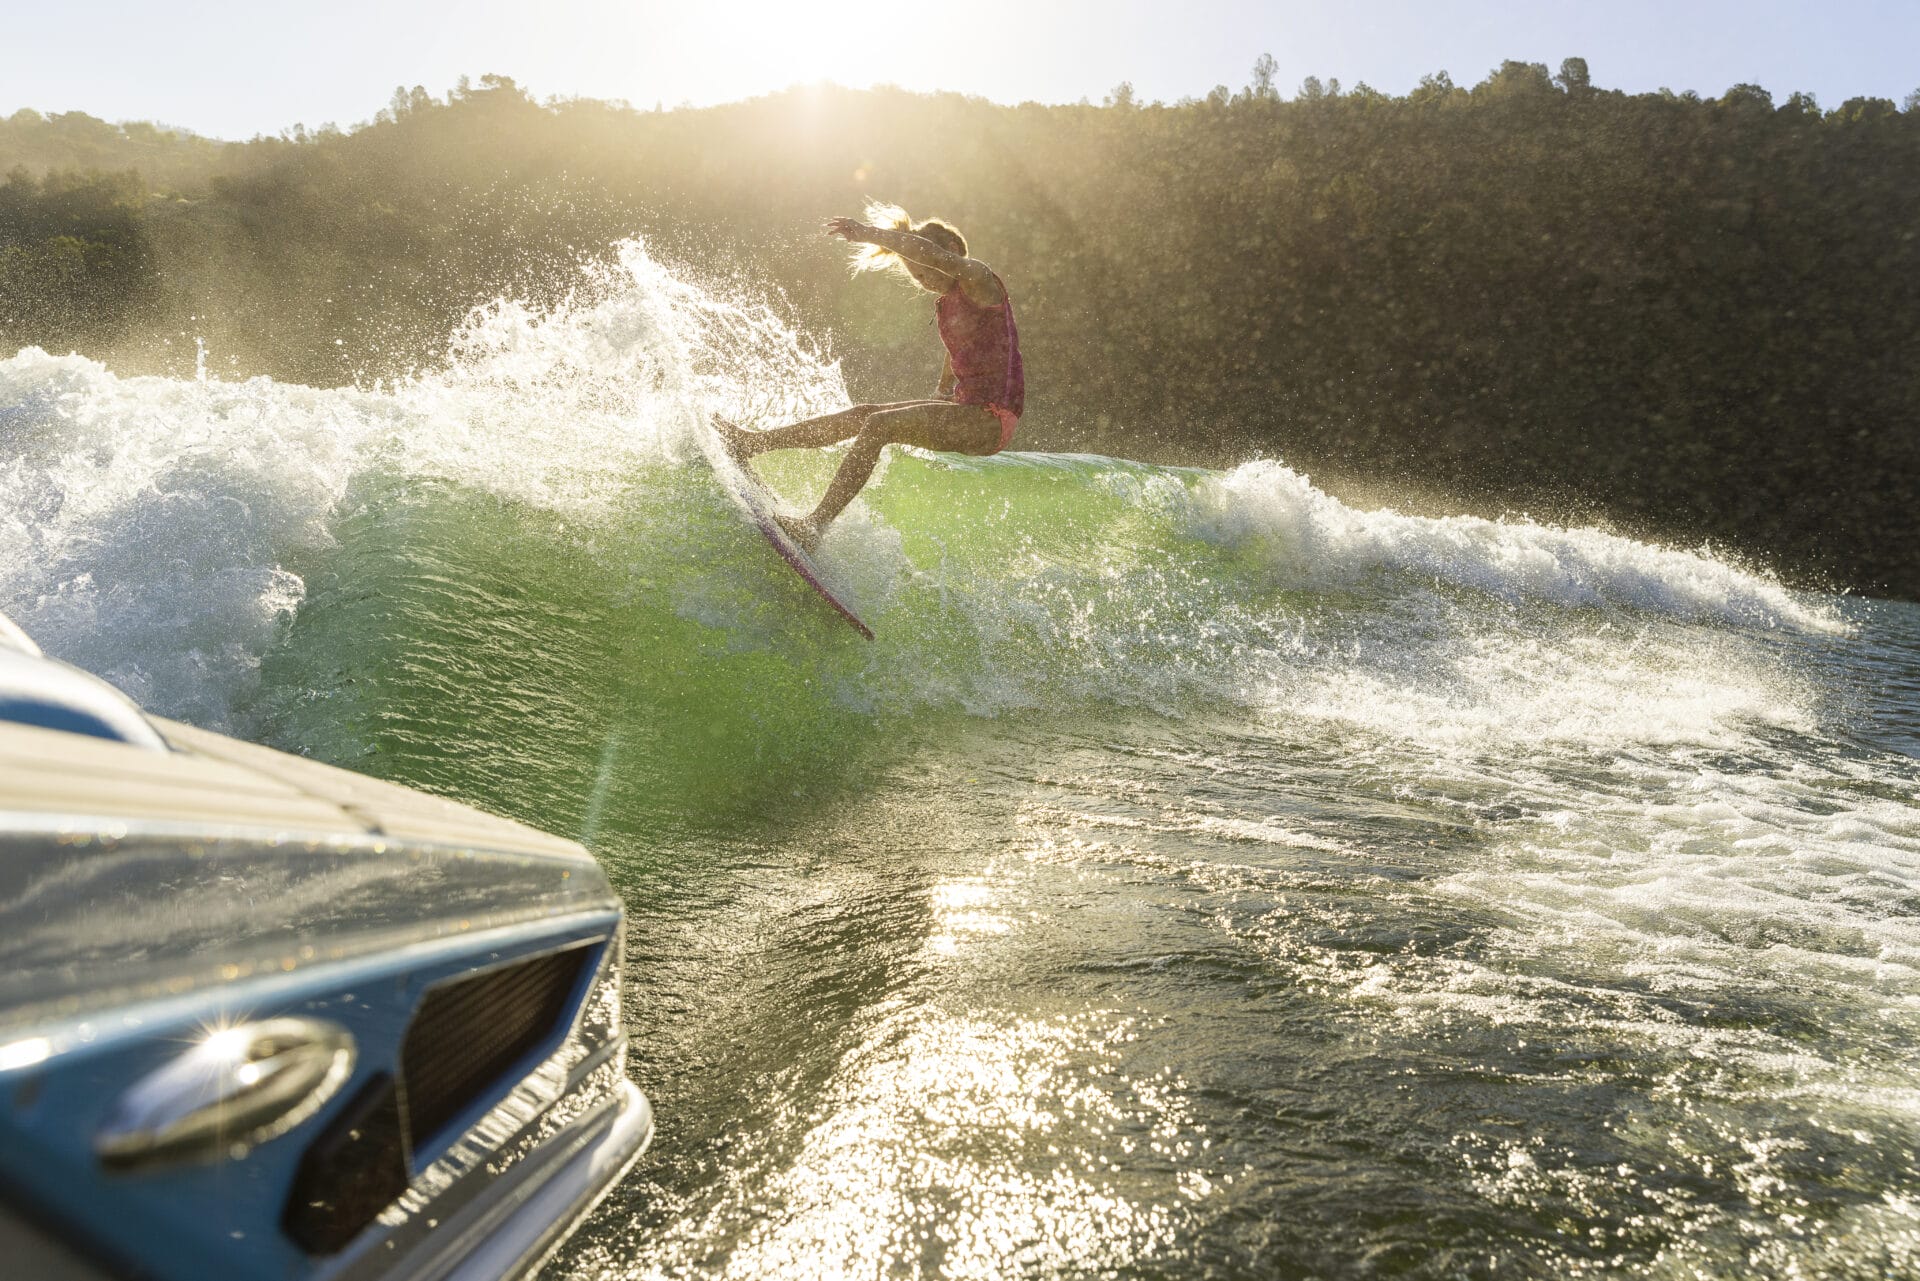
737,439
801,530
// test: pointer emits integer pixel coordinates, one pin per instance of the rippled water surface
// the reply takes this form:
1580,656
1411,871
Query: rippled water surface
1217,995
1198,877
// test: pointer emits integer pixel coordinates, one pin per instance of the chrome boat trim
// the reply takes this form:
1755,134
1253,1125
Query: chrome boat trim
240,1086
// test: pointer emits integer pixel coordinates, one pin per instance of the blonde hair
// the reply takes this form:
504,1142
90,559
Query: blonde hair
894,218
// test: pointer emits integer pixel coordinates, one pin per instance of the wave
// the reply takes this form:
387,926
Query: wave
1312,538
176,535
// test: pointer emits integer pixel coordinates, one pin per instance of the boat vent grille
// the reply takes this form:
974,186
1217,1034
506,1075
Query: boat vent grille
462,1041
467,1032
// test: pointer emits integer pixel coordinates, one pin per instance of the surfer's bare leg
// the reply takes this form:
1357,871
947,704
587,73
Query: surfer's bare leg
813,433
926,424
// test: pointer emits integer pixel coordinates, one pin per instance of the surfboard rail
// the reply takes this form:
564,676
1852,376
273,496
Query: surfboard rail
751,495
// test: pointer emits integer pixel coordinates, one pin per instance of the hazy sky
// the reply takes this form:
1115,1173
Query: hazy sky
233,70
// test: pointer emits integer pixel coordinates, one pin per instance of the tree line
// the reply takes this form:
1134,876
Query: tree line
1693,318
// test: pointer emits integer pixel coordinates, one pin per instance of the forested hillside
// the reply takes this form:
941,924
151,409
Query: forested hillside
1696,319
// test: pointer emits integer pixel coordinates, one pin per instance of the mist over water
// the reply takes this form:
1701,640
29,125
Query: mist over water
1198,876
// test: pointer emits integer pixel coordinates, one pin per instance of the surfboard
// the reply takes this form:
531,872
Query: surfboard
759,504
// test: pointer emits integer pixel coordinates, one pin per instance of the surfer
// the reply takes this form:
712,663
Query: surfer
982,384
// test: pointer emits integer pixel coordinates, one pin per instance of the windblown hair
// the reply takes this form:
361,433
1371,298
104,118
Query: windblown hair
894,218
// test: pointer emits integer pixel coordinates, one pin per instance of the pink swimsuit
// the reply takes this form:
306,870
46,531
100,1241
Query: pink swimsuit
984,348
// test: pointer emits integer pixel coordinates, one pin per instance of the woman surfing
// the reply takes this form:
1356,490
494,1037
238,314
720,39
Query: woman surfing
982,384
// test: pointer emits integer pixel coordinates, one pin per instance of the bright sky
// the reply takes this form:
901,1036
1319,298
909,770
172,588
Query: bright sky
233,69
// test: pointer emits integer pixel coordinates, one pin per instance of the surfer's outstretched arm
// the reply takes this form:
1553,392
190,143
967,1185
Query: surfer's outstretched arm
975,277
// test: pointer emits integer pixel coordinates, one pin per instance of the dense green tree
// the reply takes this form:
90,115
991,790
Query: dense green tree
1261,86
75,264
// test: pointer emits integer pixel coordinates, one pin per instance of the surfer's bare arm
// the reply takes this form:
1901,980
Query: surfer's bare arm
944,388
975,276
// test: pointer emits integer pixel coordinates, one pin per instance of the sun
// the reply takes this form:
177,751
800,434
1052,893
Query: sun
745,49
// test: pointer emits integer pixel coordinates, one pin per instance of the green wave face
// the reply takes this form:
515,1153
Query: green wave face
665,662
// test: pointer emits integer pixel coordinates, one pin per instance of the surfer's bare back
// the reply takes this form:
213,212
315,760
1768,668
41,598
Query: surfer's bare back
982,385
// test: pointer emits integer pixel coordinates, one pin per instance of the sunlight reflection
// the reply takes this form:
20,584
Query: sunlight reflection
960,909
969,1147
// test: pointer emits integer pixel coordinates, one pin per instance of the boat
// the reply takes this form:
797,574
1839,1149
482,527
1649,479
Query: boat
265,1018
